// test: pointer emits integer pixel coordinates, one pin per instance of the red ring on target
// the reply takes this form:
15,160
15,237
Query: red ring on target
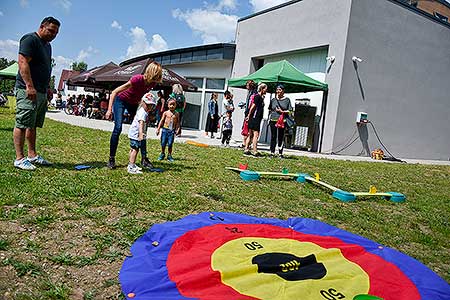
189,261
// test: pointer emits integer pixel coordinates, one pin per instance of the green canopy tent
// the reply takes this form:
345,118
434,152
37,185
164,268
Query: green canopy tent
10,72
293,80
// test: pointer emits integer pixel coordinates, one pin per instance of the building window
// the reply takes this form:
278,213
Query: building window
165,60
214,54
215,84
441,17
193,98
199,55
186,57
175,58
198,82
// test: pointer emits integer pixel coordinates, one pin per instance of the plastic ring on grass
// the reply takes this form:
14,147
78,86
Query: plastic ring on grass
344,196
301,178
395,197
250,175
189,142
366,297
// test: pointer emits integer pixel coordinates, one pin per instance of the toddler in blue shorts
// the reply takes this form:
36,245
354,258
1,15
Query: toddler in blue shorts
170,123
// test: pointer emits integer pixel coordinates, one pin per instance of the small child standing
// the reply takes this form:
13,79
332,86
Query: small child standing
170,123
138,130
227,128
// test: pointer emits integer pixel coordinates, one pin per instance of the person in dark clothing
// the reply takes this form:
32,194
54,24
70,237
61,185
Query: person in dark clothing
279,105
254,118
213,115
32,83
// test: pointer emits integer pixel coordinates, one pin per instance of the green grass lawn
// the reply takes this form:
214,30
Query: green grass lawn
65,233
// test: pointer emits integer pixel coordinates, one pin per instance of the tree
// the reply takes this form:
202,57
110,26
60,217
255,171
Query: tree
52,82
4,63
7,85
79,66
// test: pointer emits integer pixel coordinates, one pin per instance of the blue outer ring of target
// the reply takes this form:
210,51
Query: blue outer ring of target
144,273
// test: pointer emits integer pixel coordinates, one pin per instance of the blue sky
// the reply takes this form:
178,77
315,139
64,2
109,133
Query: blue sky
99,31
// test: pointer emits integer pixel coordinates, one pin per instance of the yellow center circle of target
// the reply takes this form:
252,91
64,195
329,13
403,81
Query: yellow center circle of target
233,260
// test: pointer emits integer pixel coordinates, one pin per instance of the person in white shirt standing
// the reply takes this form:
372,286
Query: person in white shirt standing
138,130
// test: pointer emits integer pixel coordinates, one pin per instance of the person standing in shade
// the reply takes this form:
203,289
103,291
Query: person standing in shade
254,118
279,105
160,106
227,126
250,85
32,83
177,94
228,104
213,115
128,96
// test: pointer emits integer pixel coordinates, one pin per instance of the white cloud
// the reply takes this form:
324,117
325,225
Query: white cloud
211,25
116,25
140,45
9,49
61,63
226,4
1,14
263,4
85,53
24,3
65,4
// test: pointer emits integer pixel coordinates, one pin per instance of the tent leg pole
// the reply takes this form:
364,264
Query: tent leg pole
322,116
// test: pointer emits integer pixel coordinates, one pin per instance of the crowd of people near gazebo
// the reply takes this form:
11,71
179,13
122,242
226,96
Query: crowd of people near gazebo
85,105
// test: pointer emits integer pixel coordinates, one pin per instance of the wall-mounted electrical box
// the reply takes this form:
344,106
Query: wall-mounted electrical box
361,117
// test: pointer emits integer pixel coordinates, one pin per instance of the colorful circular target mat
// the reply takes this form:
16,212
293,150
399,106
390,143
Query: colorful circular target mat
216,255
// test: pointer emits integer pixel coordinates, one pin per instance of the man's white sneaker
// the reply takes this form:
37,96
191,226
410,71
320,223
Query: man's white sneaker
133,169
39,160
24,164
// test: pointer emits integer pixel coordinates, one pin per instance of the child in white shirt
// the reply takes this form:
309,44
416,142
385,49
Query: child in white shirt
138,130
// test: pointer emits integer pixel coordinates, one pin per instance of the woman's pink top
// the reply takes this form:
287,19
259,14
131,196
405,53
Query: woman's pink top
138,88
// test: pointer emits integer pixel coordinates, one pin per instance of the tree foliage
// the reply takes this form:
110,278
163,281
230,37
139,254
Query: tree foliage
6,85
79,66
52,82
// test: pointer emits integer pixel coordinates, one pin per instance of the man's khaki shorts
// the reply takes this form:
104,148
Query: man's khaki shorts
30,114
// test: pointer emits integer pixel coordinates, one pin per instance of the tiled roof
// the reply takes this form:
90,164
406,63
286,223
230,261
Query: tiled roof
66,74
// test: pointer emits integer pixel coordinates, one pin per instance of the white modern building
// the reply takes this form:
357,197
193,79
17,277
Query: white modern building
385,58
208,67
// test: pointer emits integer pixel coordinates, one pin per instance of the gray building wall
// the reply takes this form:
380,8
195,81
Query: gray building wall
403,83
297,26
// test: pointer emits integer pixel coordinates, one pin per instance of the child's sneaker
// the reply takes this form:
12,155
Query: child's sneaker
146,163
170,158
161,156
39,160
24,164
133,169
111,163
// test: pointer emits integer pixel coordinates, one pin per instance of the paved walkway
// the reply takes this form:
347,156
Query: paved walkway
198,136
